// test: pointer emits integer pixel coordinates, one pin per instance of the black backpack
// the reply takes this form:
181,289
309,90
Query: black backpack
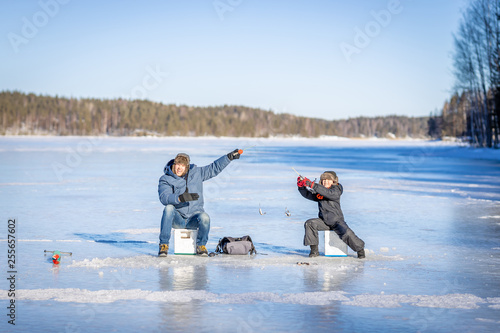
239,245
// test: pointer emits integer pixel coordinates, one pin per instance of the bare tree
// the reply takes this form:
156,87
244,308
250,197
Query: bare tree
476,67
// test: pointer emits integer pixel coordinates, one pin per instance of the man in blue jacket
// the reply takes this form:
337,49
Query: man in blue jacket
181,191
330,217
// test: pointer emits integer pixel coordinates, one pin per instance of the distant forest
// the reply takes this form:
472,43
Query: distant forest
30,114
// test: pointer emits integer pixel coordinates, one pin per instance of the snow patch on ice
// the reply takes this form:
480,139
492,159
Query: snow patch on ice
453,301
148,261
314,298
180,296
488,320
450,301
495,301
143,261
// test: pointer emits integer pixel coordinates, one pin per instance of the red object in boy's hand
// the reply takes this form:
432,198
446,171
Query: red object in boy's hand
308,183
300,182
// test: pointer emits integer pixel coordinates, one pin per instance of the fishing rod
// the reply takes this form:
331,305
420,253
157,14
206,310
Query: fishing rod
319,196
298,173
302,177
240,151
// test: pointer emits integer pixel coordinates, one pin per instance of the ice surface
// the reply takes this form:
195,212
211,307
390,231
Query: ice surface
428,211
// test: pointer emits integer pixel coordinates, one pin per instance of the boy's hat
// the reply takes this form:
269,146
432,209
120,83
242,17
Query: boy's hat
329,175
182,158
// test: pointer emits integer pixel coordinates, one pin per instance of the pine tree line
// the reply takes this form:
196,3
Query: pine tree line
35,114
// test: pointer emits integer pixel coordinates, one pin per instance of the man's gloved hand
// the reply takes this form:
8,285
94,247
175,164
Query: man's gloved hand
300,181
234,155
188,197
308,183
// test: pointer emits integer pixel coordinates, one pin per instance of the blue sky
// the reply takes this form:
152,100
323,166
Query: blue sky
328,59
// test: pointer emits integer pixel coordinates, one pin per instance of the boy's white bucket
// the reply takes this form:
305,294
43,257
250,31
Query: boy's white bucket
334,246
185,241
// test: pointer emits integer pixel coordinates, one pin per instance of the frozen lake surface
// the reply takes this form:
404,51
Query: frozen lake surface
428,212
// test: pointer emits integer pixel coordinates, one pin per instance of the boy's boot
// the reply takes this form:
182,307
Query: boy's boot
314,251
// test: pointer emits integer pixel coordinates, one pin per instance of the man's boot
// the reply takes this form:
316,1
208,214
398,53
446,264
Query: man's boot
163,250
201,250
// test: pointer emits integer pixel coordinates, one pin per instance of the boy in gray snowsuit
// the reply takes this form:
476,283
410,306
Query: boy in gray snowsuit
327,195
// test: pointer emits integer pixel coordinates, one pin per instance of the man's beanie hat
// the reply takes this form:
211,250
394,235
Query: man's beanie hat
328,175
182,158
